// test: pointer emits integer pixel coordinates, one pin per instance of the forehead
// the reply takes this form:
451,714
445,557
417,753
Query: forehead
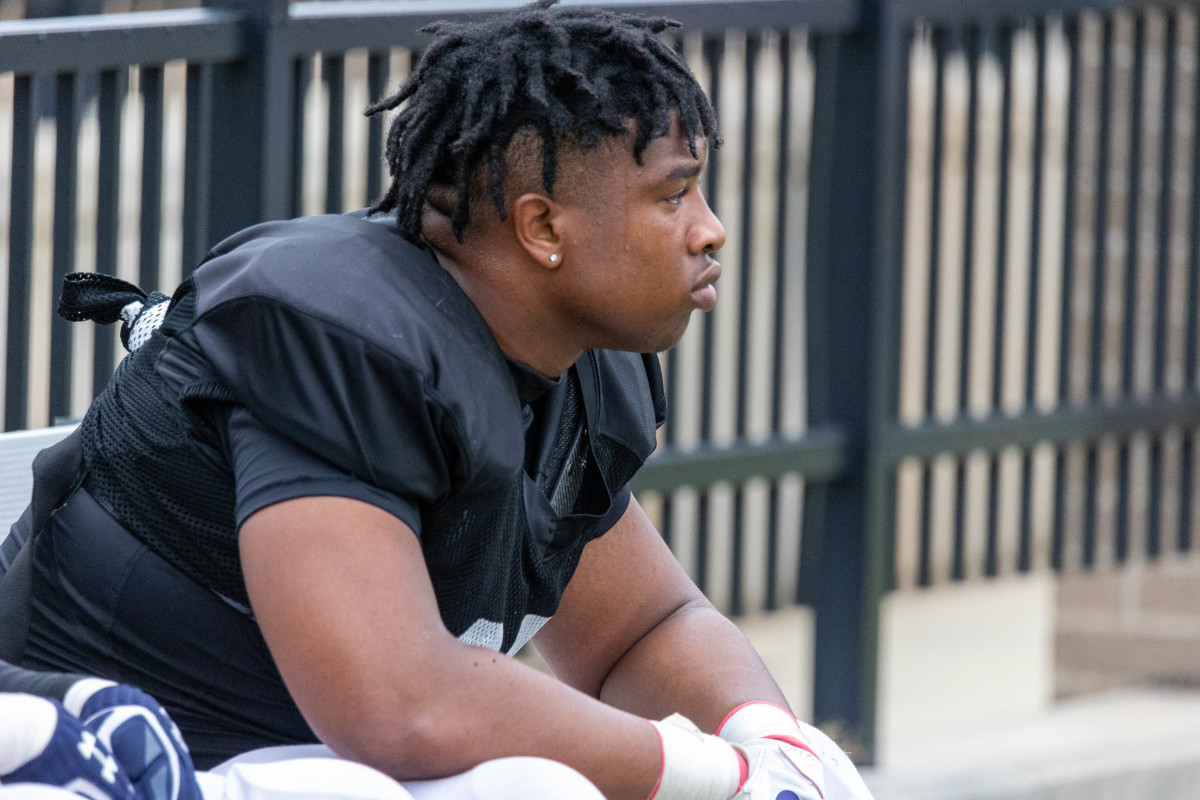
665,158
671,152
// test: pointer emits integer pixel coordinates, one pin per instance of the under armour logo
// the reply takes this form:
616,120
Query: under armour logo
88,749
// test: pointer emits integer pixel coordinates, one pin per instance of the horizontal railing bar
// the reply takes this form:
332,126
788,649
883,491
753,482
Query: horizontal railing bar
377,24
821,454
104,41
1082,423
974,12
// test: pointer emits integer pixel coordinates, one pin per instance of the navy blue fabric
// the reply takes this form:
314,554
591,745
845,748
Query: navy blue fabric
142,737
74,757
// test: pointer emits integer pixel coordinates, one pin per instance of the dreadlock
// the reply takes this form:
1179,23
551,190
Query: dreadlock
573,74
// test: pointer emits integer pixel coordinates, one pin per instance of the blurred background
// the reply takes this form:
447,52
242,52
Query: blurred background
934,450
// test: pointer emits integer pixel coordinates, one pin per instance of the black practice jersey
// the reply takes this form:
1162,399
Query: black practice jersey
331,356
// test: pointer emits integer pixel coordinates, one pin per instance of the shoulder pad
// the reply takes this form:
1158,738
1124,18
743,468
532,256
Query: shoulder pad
345,337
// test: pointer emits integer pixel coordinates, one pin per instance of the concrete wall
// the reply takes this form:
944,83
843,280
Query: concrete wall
1139,624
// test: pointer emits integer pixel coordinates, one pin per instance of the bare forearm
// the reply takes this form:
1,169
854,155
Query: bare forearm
696,662
482,706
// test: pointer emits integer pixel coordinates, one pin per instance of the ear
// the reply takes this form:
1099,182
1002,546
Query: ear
539,226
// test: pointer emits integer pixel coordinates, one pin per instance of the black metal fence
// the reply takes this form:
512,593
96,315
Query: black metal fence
958,331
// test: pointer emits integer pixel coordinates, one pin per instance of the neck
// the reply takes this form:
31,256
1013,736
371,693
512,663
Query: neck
517,316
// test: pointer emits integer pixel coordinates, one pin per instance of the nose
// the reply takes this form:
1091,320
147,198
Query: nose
708,234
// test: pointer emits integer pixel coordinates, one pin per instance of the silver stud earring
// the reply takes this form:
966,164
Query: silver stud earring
553,257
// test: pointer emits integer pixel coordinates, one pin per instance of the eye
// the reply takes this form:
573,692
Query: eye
677,198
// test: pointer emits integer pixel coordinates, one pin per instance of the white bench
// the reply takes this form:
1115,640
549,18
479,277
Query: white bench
17,451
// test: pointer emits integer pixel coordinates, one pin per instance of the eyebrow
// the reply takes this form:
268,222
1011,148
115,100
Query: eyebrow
684,172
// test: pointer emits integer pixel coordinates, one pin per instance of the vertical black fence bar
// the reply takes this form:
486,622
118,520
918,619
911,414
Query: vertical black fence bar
109,99
302,74
1162,277
1183,534
670,367
817,327
1133,207
670,434
1025,542
714,57
252,122
333,73
971,50
1191,339
377,79
933,333
857,187
20,254
151,88
890,138
774,521
1066,340
1166,204
1099,284
1183,537
1130,293
196,166
66,120
1003,40
749,164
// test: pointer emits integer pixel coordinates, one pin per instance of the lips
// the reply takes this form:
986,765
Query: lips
704,294
711,274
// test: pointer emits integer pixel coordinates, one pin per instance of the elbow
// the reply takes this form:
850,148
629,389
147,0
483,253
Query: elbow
406,741
423,745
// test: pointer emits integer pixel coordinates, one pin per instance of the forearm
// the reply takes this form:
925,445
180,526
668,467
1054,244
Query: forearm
695,662
364,654
476,705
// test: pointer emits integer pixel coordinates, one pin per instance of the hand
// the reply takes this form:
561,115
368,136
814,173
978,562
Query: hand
842,781
140,735
40,742
780,770
786,752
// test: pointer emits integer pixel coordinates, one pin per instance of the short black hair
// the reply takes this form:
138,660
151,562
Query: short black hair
570,74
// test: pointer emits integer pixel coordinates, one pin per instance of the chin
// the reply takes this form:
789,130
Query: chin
665,337
665,340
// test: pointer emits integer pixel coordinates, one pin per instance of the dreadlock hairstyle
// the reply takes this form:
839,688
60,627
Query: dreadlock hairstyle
573,74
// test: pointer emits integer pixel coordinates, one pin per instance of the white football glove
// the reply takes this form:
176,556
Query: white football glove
797,761
695,765
842,781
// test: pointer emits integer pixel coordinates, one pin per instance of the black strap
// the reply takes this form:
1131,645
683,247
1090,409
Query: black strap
102,298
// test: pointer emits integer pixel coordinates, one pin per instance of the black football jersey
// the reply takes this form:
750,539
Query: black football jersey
329,355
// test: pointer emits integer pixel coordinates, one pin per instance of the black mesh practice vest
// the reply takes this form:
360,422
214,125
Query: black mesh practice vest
338,334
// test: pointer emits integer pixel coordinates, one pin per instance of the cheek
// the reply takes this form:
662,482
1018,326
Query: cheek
657,238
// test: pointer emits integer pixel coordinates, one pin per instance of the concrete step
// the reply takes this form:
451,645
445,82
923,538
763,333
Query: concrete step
1129,744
